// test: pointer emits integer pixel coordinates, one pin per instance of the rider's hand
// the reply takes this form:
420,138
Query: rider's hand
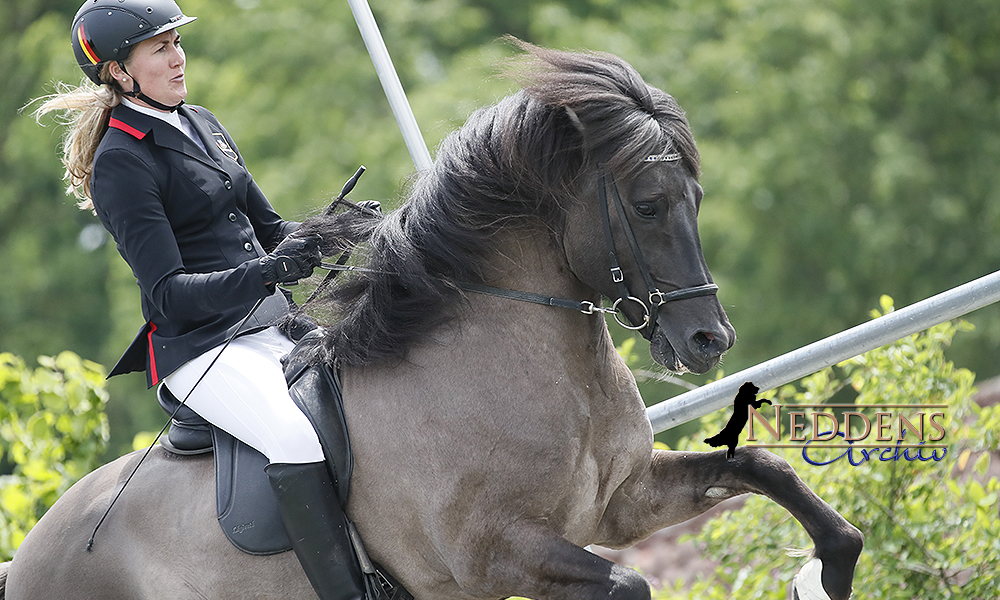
293,259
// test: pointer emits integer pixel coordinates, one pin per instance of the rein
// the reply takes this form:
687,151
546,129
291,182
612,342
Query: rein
346,255
584,306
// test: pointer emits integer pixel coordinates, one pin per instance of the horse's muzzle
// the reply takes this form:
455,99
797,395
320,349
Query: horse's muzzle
697,350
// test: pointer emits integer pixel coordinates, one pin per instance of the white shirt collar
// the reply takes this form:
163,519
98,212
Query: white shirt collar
174,118
170,117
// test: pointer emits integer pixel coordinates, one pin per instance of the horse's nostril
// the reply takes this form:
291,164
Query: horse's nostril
703,339
708,344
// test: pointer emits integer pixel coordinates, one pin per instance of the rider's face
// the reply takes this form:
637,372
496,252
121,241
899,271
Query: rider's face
158,65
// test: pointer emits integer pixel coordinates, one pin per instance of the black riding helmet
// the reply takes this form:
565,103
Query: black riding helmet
105,30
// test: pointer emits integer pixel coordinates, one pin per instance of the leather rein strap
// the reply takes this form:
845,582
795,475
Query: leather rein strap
586,307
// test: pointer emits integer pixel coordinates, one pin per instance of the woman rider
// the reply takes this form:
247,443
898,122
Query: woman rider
205,246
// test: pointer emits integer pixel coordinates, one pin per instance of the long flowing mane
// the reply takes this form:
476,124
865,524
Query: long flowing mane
512,165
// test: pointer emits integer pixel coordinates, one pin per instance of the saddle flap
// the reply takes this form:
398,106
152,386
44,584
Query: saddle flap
248,512
315,389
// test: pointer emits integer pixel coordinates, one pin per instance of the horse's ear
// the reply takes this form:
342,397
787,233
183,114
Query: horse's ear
574,119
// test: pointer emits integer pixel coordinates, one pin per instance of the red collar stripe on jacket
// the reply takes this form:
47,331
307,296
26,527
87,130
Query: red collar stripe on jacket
113,122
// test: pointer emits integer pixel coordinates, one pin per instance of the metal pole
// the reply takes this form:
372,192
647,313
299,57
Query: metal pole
390,83
828,351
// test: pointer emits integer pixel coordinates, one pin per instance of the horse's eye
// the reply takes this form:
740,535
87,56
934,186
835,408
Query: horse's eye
645,209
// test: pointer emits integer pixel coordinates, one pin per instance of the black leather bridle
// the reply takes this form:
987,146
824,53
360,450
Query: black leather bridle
656,298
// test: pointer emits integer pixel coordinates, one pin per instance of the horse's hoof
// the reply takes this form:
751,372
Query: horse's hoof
808,582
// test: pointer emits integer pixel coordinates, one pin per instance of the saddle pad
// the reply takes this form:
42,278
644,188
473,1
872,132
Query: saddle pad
248,512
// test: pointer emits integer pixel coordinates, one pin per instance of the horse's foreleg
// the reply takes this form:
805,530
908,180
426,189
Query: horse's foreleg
681,485
530,560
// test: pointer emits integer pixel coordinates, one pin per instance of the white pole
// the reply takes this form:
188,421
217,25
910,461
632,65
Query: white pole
828,351
390,83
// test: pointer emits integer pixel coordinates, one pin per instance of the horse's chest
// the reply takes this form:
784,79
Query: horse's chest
621,443
601,470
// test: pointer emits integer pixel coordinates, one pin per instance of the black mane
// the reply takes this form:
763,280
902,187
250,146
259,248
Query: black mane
512,165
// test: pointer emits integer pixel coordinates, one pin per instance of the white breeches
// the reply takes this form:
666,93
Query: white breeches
244,393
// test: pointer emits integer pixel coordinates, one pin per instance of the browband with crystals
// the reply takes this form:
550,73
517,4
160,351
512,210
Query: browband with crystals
665,157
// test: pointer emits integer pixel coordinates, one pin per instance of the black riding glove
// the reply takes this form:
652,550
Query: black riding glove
293,259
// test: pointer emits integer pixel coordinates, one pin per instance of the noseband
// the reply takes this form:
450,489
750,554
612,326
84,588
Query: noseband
656,297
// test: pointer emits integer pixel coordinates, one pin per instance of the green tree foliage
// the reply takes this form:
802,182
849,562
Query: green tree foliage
931,528
861,137
53,431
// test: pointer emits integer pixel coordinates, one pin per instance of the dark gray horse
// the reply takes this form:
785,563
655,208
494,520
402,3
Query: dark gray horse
493,439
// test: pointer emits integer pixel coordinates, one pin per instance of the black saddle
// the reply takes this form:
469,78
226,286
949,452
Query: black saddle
247,510
246,507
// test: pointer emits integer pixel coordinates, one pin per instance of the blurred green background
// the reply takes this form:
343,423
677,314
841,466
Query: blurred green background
850,148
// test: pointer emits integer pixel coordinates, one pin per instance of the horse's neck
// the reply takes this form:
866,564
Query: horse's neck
535,262
559,365
496,352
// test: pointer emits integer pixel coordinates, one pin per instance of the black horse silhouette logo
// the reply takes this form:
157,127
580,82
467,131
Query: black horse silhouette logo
730,434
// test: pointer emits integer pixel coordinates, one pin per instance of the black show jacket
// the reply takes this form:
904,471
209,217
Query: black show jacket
193,227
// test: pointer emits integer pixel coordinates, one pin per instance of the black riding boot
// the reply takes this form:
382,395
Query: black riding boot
318,528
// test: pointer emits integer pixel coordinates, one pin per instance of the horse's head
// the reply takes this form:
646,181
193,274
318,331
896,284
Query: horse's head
664,276
586,147
632,231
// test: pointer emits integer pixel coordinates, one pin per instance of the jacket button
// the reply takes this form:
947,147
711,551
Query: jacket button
232,217
229,185
248,247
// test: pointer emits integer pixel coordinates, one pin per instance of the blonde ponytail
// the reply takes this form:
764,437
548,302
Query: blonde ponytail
86,110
